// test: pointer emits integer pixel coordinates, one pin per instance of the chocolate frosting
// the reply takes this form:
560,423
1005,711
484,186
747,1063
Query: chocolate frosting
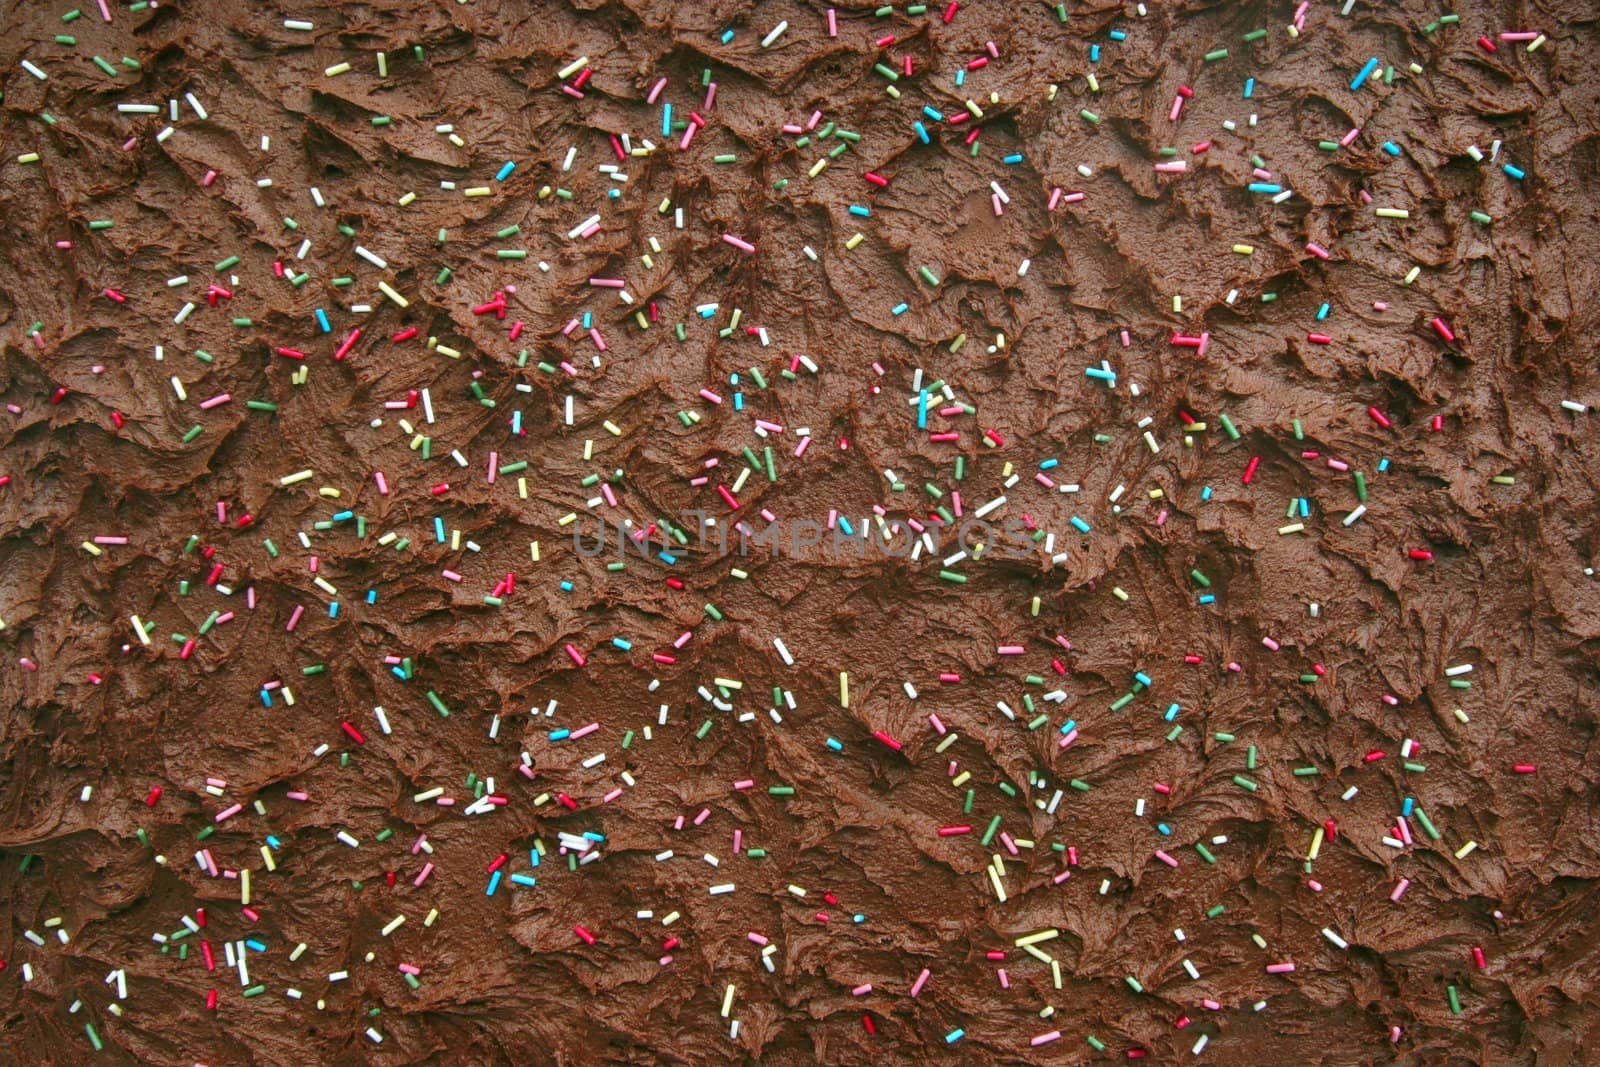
846,886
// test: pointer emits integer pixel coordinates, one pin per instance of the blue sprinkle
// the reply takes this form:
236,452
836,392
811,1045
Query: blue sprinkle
1405,808
1322,312
667,558
1516,172
961,77
398,673
666,120
1013,159
1099,372
343,516
1366,72
494,883
932,114
1265,187
588,319
835,745
1119,35
274,842
1094,53
258,946
322,321
1049,464
525,879
516,424
593,836
922,132
372,596
1208,598
438,529
922,407
1391,148
266,698
1383,465
533,857
560,734
333,610
1205,494
622,643
1172,711
566,587
844,524
899,309
1143,679
738,401
858,918
955,1035
1079,525
727,35
1305,508
615,194
1249,88
505,171
733,379
1163,829
863,212
1068,726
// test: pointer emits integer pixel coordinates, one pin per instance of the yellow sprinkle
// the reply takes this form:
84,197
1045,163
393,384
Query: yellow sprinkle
244,887
1245,250
977,112
477,190
1411,275
572,68
297,476
91,548
388,291
1293,527
1461,853
727,1000
844,689
405,201
612,428
1118,592
336,70
855,239
568,519
818,167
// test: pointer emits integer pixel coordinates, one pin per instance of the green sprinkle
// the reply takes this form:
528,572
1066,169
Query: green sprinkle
107,67
952,576
1361,486
1414,768
1215,910
928,276
1228,427
1079,784
381,120
1095,1043
1455,1001
1216,54
257,990
1089,116
780,790
62,38
1254,35
1133,984
72,15
988,835
1427,823
1306,772
101,224
94,1038
1200,579
438,705
887,72
1244,783
1224,738
705,728
711,610
1205,853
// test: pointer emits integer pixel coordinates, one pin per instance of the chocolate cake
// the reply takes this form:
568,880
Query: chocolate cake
630,531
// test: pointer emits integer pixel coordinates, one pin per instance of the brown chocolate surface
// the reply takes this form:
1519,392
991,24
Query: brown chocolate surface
97,442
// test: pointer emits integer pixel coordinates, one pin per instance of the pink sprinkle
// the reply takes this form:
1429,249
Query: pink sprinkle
1400,889
1164,858
1270,643
861,990
294,617
922,979
833,31
1280,968
574,655
655,91
229,812
741,245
